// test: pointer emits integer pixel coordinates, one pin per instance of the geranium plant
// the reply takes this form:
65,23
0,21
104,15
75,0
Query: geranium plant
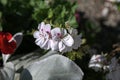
58,39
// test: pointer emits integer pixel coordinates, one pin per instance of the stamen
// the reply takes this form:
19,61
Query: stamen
48,32
59,35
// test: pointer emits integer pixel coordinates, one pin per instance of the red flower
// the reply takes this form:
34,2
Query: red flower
7,46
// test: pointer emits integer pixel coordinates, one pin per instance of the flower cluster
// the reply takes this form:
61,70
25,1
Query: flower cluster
58,39
98,62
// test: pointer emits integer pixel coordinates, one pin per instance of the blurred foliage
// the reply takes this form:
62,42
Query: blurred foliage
55,13
20,15
79,53
118,5
16,15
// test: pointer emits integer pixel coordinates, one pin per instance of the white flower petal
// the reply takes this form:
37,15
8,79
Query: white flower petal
54,33
41,26
67,49
56,30
77,38
47,27
72,31
39,41
43,35
77,41
46,45
96,62
68,40
63,32
54,45
36,34
98,65
58,33
96,58
61,46
105,12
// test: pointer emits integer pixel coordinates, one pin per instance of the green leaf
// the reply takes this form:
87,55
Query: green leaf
50,13
73,22
63,12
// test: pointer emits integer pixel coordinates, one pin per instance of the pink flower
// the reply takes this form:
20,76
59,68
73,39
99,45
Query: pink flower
43,35
60,39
